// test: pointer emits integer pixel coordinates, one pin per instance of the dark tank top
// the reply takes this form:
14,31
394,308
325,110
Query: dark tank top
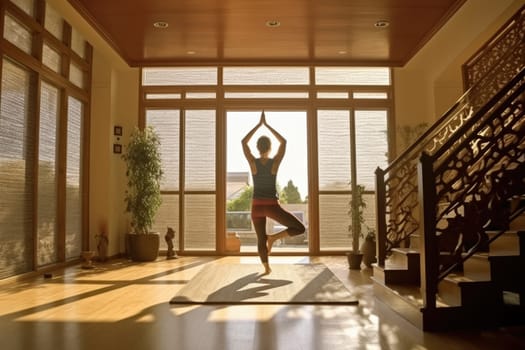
264,181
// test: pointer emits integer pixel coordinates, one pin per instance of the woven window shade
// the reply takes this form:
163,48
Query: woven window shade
334,221
47,178
76,75
352,76
167,216
75,117
371,145
176,76
200,150
334,150
25,5
78,44
17,34
199,222
333,127
51,58
266,75
16,171
199,209
54,22
167,125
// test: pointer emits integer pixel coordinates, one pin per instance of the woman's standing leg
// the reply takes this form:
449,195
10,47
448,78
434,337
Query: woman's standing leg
259,223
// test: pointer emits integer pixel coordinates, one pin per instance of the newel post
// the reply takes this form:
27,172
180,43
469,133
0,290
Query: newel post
380,217
429,256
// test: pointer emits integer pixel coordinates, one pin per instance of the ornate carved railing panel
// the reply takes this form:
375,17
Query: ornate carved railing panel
506,39
397,185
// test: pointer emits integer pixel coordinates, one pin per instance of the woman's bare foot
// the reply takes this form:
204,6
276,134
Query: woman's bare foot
267,269
270,239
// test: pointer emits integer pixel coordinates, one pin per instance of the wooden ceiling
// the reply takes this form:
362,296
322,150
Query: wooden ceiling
232,32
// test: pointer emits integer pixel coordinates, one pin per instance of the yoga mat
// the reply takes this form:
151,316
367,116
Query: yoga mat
244,284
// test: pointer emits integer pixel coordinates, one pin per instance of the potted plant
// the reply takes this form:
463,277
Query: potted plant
357,206
143,199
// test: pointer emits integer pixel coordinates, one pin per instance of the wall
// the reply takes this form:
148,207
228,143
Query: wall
114,101
431,82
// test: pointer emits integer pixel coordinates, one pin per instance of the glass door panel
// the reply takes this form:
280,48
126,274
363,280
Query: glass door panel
334,157
199,180
199,222
292,179
166,123
371,144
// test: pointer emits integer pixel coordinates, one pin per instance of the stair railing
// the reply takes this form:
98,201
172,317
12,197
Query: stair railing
466,183
397,198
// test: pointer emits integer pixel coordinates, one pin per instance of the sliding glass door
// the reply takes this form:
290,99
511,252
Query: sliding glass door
292,180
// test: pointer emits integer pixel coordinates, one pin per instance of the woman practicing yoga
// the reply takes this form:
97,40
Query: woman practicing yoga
265,203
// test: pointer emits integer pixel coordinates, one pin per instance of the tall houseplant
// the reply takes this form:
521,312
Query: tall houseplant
142,198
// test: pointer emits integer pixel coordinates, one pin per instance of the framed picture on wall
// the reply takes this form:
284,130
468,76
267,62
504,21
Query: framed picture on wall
117,130
117,148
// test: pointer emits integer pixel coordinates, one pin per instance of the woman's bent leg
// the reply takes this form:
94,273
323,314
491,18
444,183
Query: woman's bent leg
293,225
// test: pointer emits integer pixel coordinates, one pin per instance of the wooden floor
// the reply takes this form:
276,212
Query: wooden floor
124,305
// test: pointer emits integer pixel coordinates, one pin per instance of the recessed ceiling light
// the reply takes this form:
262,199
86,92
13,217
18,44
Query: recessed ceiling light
382,23
342,52
160,24
273,23
191,52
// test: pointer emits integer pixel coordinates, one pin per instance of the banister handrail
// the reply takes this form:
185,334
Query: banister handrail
483,110
417,144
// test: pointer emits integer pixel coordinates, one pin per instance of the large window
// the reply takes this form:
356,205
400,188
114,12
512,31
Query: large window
16,169
340,114
47,175
42,127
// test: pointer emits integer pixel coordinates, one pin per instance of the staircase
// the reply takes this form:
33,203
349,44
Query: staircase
451,208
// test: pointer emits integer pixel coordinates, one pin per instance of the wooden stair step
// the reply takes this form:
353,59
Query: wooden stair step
477,267
395,274
407,257
407,301
459,290
404,299
401,267
507,243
